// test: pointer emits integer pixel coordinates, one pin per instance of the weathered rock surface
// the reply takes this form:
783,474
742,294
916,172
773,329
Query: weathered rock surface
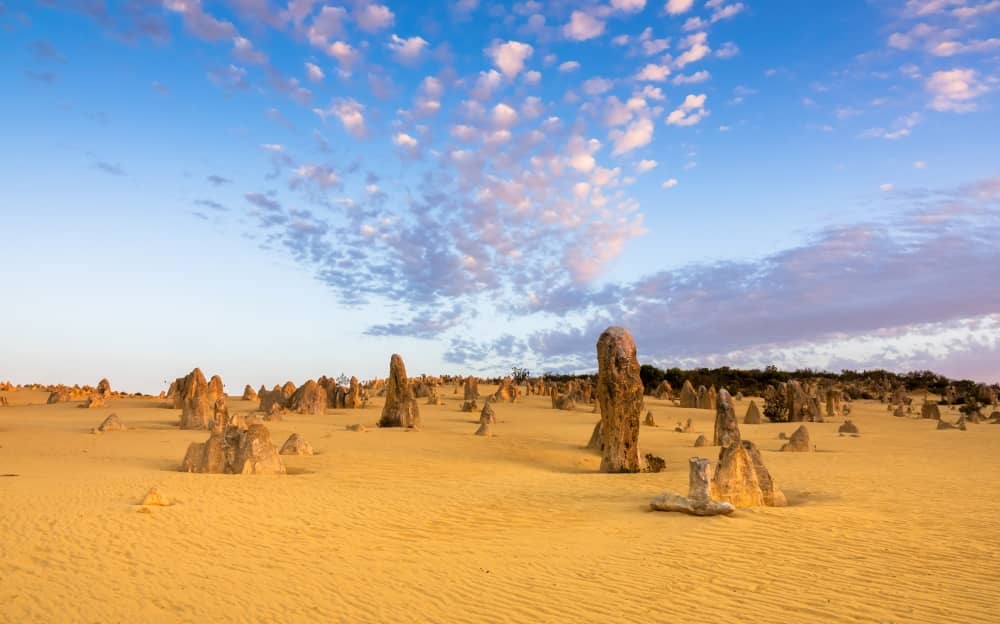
698,502
848,427
296,445
155,498
309,398
741,478
701,441
689,398
111,423
249,394
798,441
400,409
727,428
753,415
235,451
619,394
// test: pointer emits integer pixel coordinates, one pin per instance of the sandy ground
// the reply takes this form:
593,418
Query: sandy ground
443,526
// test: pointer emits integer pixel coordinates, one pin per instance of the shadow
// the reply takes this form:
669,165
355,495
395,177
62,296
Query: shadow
800,498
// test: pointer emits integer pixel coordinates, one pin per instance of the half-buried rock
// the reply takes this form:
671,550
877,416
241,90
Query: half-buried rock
155,498
701,441
798,441
111,423
232,450
296,445
699,501
848,428
400,409
620,396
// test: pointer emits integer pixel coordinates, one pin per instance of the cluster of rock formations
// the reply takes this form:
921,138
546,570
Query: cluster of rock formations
740,478
234,447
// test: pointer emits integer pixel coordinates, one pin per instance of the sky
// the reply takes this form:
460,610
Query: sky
275,189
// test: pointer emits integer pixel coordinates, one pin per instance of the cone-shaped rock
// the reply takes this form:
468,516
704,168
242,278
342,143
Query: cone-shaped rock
753,416
195,401
619,393
296,445
249,394
487,418
701,441
400,409
596,440
310,398
111,423
689,398
930,410
798,441
104,387
727,428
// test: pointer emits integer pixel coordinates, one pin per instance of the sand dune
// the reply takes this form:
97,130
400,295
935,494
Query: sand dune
443,526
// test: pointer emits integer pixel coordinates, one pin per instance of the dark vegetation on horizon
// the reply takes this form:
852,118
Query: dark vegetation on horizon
752,382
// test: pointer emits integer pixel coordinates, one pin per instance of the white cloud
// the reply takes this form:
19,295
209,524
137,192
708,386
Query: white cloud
405,141
653,73
344,53
697,49
314,72
669,184
695,23
596,85
652,93
569,66
694,78
510,57
920,164
504,116
646,165
723,11
676,7
727,50
373,17
636,134
580,153
328,23
886,188
955,90
407,50
350,113
690,112
583,26
628,6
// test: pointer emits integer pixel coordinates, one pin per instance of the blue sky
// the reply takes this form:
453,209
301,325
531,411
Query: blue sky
274,190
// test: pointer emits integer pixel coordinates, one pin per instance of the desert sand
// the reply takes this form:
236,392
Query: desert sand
441,525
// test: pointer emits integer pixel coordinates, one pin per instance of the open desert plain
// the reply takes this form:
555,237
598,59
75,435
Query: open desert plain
441,525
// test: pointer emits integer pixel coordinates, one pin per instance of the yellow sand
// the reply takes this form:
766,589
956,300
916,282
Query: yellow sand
443,526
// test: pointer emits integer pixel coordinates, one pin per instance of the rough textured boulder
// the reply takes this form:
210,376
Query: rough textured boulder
104,387
155,498
58,396
727,428
215,388
930,410
94,401
772,496
505,391
899,412
685,428
196,402
654,463
562,401
798,441
959,424
699,501
596,440
231,450
487,418
619,393
753,416
848,427
470,394
701,441
400,409
649,422
689,398
663,390
353,399
111,423
249,394
357,427
310,398
296,445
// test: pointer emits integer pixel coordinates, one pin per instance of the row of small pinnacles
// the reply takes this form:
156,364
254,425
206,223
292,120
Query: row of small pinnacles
241,444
